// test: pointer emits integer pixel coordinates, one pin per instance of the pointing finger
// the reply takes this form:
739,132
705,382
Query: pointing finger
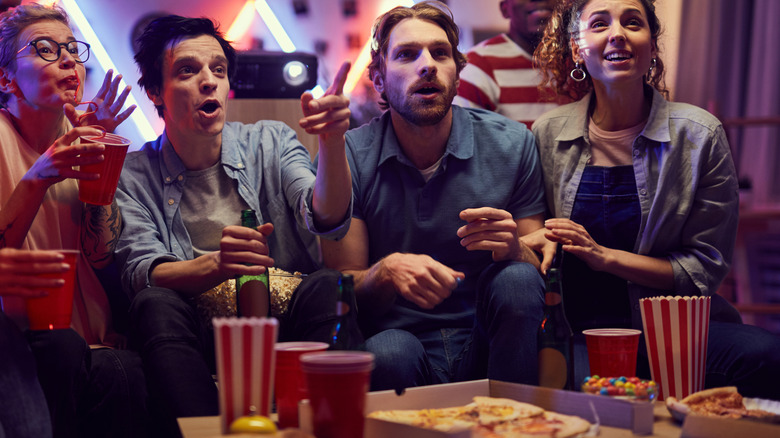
341,77
306,99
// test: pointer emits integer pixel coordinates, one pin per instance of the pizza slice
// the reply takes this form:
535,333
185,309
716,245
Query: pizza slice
444,419
493,410
489,417
548,424
725,402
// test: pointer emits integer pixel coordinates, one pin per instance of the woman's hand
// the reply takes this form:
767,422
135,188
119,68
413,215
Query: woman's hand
541,245
655,272
107,112
21,271
576,241
58,162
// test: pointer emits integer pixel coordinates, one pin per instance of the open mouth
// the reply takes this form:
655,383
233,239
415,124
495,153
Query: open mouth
71,82
209,107
427,89
618,56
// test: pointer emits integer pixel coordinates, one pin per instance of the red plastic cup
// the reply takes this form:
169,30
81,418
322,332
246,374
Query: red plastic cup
101,191
290,383
338,382
612,352
54,311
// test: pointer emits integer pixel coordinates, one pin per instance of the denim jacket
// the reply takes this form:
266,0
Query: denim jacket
274,175
686,182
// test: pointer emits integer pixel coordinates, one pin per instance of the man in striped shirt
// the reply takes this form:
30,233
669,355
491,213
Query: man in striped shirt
500,75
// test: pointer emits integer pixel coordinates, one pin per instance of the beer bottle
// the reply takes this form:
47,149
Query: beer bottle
554,337
252,296
346,334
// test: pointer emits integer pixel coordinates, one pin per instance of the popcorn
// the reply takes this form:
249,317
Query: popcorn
220,301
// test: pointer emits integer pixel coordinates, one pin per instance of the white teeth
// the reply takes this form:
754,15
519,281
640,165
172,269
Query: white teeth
617,56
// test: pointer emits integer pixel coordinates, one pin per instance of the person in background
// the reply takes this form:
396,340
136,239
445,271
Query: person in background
643,191
23,410
500,74
8,4
182,196
446,289
92,385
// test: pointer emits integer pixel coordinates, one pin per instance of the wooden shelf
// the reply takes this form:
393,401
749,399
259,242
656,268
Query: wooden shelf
756,265
759,309
284,110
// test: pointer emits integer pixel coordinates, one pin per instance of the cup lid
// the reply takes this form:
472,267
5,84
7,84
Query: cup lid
333,362
109,138
301,346
612,332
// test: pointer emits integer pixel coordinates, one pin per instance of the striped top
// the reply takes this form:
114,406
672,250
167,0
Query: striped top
500,77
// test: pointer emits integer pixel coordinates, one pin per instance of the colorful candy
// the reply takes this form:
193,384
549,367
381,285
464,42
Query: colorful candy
629,387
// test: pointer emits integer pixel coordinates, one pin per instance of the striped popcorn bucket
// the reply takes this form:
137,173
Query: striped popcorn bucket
676,330
245,366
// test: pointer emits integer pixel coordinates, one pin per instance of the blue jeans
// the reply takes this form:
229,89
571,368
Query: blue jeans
23,411
90,393
501,345
178,350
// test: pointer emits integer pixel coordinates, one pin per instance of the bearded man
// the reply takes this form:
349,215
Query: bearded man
447,290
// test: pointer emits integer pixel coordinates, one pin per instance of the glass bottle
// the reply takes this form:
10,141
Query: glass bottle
345,334
252,296
554,337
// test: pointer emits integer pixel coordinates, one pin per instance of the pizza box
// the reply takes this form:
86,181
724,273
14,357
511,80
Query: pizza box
697,426
636,416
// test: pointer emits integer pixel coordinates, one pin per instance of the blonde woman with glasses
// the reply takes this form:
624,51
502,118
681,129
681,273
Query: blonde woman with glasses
92,386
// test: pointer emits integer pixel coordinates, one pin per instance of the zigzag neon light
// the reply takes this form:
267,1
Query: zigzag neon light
241,25
97,49
243,21
364,58
276,28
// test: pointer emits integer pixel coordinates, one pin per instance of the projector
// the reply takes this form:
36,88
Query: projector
274,75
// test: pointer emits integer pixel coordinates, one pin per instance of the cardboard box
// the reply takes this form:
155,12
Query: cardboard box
696,426
636,416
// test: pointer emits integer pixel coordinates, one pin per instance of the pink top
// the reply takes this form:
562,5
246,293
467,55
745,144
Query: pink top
56,226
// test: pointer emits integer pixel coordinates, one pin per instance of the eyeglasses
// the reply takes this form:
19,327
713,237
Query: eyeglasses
50,50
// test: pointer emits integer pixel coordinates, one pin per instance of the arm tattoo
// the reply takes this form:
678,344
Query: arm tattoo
101,232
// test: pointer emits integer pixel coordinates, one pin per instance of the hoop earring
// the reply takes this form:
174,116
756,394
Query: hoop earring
577,73
652,68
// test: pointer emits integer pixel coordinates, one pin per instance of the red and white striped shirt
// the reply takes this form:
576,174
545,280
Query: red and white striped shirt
500,77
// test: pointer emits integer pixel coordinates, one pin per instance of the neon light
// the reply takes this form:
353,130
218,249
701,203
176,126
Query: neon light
364,58
276,28
317,92
241,25
243,20
138,118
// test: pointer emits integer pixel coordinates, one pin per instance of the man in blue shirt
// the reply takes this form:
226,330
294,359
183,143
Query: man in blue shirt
446,288
182,195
